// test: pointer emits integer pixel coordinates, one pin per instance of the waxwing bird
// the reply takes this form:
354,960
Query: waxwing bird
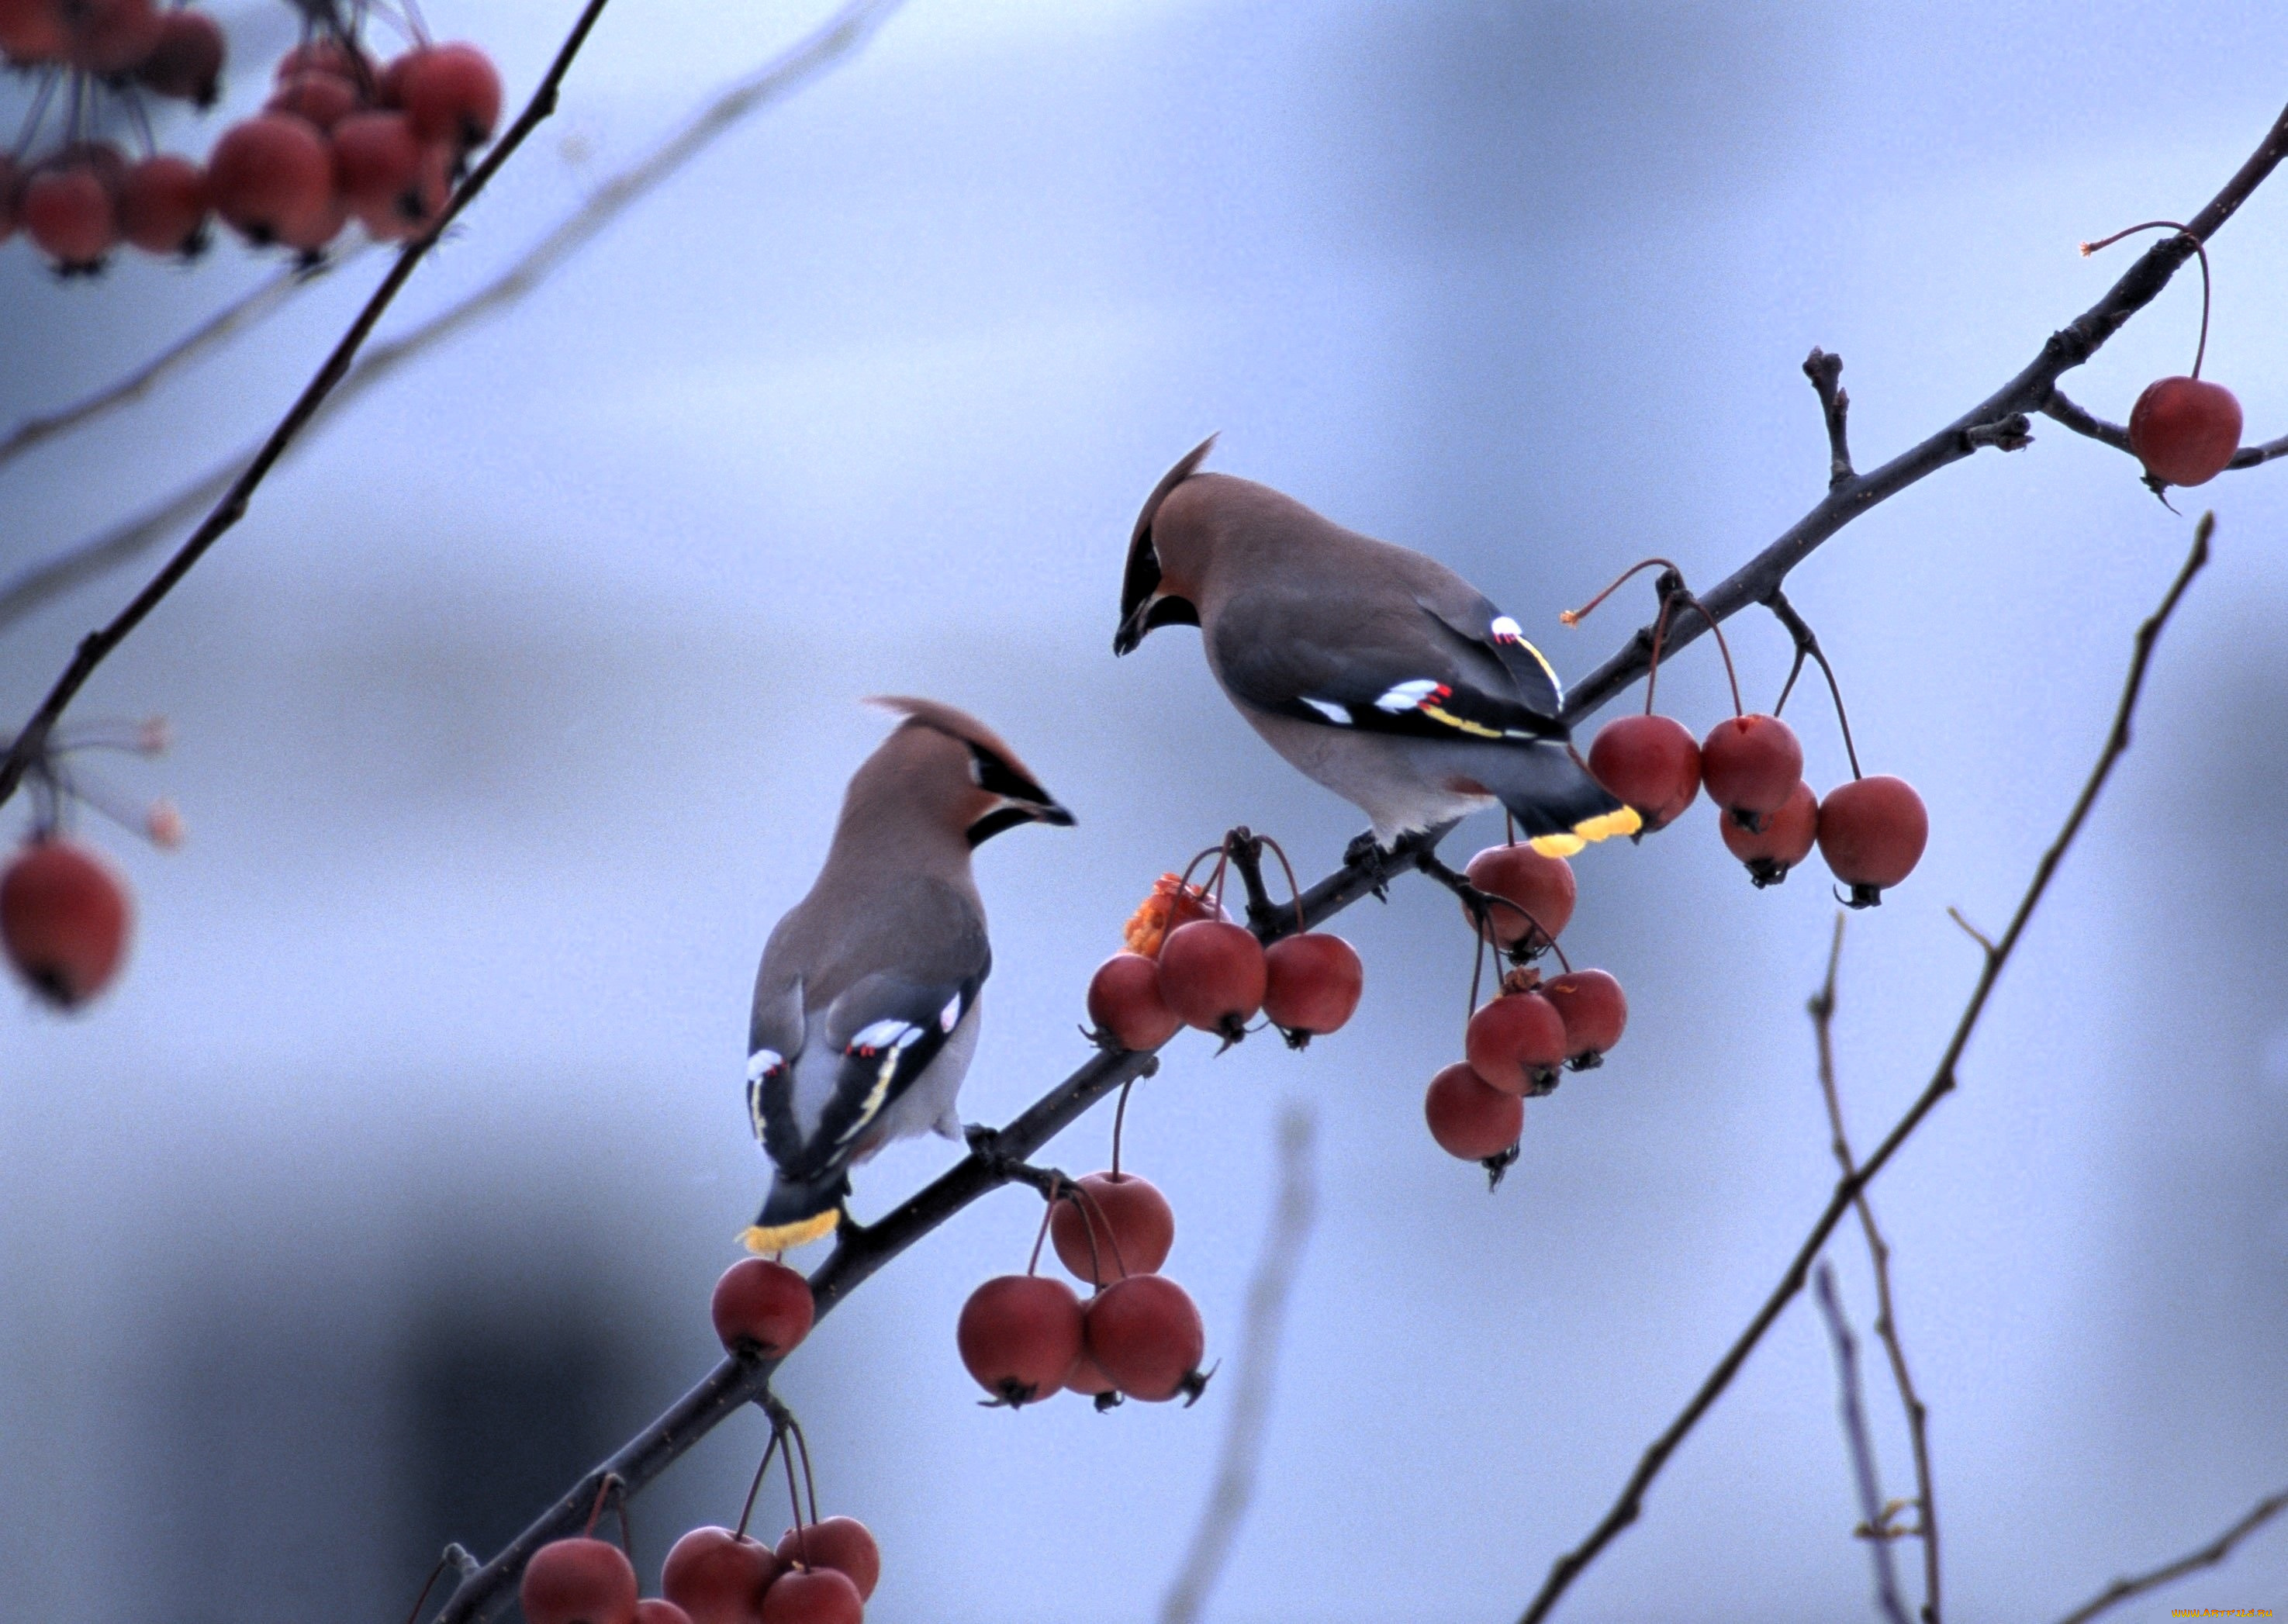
865,1010
1376,671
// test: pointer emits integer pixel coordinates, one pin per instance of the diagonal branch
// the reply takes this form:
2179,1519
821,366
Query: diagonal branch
1996,420
1862,1447
2215,1551
1630,1505
97,646
842,34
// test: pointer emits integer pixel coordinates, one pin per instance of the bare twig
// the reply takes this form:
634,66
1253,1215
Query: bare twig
2063,411
837,38
1825,372
242,313
1821,1008
2215,1551
1862,1447
32,739
1249,1421
1994,420
1626,1509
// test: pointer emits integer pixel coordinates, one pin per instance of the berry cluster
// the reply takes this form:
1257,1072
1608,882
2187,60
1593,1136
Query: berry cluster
79,196
344,135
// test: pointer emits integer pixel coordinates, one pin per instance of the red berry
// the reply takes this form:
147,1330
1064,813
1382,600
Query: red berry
452,92
718,1577
1468,1118
111,37
163,205
324,99
1213,974
1516,1041
63,918
32,31
1130,1221
325,54
1750,765
578,1581
1312,983
1649,762
1087,1378
820,1597
69,213
651,1610
1144,1333
1125,1003
1019,1334
1542,887
762,1308
1594,1010
390,181
2184,429
1872,832
272,178
1784,841
186,61
842,1543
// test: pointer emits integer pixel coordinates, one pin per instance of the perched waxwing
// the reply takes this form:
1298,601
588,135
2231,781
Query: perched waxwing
865,1010
1375,670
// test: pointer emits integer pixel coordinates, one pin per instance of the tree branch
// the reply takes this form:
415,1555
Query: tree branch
2215,1551
1628,1507
1862,1447
1995,420
1825,372
32,739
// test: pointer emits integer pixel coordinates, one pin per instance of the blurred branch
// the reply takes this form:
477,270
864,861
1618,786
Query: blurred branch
1821,1009
1863,1448
1998,420
2061,410
242,313
97,646
997,1157
2215,1551
1630,1505
837,38
1259,1363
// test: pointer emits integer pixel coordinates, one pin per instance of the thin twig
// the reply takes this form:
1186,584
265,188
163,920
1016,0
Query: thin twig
1825,372
1248,1421
1629,1504
1861,1446
1806,643
2063,411
837,38
1821,1008
242,313
2029,392
2215,1551
31,740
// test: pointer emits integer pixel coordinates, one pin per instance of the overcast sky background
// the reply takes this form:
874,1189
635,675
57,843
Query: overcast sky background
386,1190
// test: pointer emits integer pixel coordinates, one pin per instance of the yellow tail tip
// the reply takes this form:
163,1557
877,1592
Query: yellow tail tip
1604,826
786,1237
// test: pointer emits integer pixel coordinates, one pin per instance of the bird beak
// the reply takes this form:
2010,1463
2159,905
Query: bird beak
1156,610
1052,813
1009,814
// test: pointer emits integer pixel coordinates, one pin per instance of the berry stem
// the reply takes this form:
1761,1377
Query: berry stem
2200,352
1294,889
747,1511
427,1585
1075,1195
1574,617
1120,1121
801,1529
36,115
596,1510
1092,1213
809,1482
1033,1263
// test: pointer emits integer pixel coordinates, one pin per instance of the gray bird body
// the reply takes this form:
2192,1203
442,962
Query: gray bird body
865,1010
1375,670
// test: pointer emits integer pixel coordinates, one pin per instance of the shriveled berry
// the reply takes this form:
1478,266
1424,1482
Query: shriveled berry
842,1543
1145,1333
1594,1010
1468,1117
821,1595
1750,765
1125,1005
1650,762
69,213
1018,1335
163,205
1872,832
1516,1041
63,919
718,1577
1127,1218
1172,905
186,61
1784,841
578,1581
762,1308
272,177
452,93
1213,974
1540,889
2185,430
1312,983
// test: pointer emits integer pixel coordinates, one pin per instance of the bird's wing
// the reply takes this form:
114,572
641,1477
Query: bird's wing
1470,615
1394,667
